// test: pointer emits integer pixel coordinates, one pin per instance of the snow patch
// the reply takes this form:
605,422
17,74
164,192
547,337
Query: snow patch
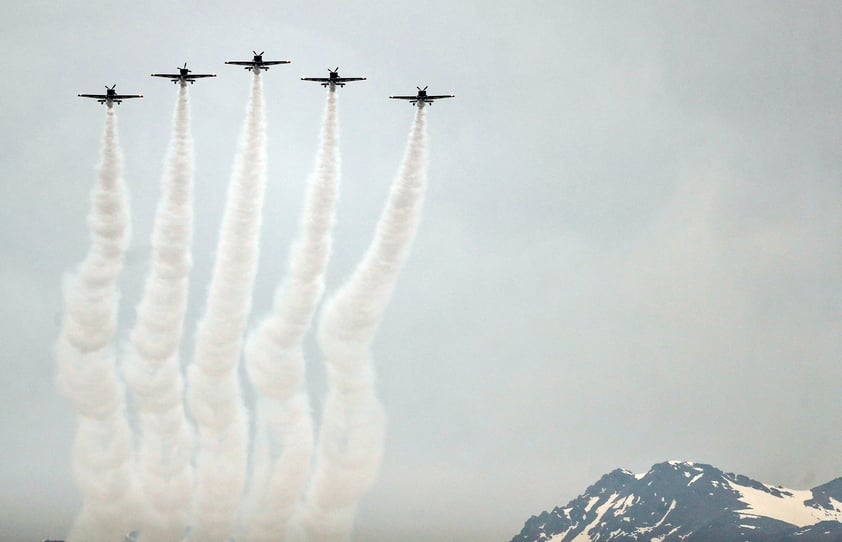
690,483
671,508
624,504
591,502
644,530
789,508
583,535
664,537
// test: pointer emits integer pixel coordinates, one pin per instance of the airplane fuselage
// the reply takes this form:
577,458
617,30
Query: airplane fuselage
109,100
422,98
256,63
333,79
110,97
185,75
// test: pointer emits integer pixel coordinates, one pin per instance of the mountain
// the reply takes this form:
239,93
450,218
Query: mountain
691,502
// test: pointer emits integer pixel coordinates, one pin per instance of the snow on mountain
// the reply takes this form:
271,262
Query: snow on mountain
691,502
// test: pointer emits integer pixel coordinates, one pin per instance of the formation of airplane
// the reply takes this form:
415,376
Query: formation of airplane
422,97
257,63
184,75
111,97
333,80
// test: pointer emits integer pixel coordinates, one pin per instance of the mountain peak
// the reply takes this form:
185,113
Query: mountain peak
693,502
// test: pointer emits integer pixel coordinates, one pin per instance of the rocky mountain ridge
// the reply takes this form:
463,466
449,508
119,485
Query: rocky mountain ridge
691,502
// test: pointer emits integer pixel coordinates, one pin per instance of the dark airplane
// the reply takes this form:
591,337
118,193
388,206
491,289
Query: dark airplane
184,75
422,97
110,97
257,63
334,80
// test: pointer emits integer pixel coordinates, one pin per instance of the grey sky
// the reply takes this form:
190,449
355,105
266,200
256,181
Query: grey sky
630,250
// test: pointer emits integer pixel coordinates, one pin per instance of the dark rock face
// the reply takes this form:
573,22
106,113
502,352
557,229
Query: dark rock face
691,502
823,493
824,531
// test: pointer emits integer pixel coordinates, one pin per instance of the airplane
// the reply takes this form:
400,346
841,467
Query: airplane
422,97
257,63
183,75
333,80
110,97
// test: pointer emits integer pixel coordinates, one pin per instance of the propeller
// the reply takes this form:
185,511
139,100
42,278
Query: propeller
256,53
185,68
112,87
336,71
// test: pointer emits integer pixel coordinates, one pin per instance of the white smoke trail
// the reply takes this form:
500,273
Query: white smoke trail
102,452
153,371
275,359
353,428
214,393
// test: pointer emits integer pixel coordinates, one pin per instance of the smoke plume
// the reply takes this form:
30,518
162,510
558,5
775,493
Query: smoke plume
275,359
352,433
153,371
188,473
102,452
214,393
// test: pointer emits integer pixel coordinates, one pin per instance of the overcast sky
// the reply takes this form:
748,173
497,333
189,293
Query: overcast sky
630,250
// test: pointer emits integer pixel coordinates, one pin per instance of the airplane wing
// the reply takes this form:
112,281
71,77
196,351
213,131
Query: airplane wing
242,62
126,96
169,75
346,79
274,62
441,96
97,96
200,75
317,79
404,97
